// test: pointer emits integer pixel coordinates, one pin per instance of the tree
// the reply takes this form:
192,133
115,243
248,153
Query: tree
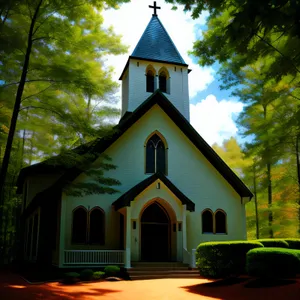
51,60
250,29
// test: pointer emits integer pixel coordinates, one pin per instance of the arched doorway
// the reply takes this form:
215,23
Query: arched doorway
155,234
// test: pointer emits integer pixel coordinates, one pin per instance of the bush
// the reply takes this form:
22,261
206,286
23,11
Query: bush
277,243
71,277
223,259
98,275
112,271
293,243
273,262
86,275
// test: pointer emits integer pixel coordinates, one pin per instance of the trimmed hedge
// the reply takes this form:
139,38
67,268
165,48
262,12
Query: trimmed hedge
277,243
71,277
86,275
111,271
223,259
293,243
273,262
98,275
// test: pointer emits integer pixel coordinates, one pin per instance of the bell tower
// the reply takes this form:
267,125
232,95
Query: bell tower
155,64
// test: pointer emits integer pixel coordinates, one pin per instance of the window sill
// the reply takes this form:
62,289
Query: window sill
207,233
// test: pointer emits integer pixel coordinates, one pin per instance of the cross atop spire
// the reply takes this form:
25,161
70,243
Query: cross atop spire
155,8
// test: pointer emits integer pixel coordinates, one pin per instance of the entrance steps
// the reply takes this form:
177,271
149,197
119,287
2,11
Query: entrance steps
156,270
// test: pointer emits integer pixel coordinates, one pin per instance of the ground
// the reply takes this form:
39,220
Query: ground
12,287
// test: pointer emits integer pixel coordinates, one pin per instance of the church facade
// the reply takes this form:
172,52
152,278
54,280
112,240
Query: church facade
175,191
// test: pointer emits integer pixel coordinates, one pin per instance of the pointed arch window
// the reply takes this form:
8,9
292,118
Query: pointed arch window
207,221
88,226
220,222
155,155
96,226
163,81
79,228
150,81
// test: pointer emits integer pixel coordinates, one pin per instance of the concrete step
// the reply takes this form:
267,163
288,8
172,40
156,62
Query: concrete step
162,272
160,276
159,264
158,268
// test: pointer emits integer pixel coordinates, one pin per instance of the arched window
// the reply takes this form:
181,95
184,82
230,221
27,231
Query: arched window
97,226
207,222
163,81
155,155
79,228
220,221
150,81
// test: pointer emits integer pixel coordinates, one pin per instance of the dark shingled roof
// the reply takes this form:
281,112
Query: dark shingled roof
155,44
158,98
129,196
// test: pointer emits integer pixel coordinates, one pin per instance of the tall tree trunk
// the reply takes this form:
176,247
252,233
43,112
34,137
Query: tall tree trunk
16,110
255,201
298,177
269,178
271,234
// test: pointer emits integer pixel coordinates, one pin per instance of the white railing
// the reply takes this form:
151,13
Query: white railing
189,258
193,258
186,256
94,257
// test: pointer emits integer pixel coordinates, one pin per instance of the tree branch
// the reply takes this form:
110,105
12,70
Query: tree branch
278,51
36,93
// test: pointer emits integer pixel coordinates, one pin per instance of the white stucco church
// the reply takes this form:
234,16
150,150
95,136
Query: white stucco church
175,191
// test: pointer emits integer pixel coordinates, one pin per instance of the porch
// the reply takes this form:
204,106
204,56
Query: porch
75,258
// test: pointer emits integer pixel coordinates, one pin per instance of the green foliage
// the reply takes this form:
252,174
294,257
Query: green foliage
273,262
223,259
71,277
277,243
86,275
249,30
111,271
293,243
98,275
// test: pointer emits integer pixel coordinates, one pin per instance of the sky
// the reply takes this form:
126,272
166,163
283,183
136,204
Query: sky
212,111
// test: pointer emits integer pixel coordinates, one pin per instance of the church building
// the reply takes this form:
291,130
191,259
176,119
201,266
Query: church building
175,191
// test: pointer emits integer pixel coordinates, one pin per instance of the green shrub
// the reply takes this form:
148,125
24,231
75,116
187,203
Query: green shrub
112,271
98,275
86,275
223,259
71,277
293,243
273,262
277,243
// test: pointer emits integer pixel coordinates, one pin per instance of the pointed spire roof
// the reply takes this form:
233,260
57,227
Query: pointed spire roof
156,45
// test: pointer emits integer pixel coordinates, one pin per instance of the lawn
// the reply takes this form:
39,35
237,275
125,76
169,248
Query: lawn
12,286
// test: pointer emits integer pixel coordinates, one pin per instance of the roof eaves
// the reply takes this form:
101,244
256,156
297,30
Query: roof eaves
127,197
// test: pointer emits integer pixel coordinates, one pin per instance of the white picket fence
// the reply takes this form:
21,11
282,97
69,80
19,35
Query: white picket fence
94,257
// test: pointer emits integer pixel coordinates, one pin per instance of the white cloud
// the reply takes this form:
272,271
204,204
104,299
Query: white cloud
214,120
131,20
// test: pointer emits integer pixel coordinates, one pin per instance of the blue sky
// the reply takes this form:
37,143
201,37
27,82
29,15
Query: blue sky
213,111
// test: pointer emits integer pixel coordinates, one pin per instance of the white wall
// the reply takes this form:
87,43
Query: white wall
188,170
179,91
125,92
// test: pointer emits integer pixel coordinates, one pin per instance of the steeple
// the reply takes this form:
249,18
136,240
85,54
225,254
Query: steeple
155,63
156,45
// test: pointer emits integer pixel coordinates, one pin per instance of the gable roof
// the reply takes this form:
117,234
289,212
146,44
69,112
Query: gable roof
156,44
129,196
158,98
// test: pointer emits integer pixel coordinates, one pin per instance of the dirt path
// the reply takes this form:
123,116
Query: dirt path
12,287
